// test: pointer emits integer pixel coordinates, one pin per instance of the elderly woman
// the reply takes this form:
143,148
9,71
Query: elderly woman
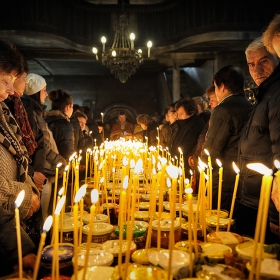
149,127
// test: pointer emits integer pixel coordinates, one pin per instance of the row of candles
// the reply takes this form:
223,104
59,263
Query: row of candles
109,157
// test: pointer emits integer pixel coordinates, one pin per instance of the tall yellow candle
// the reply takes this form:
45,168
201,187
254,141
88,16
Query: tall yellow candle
210,181
84,189
189,194
55,186
18,202
94,199
219,193
46,227
55,260
237,171
87,158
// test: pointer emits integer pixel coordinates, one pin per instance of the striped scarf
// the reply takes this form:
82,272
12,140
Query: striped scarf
10,138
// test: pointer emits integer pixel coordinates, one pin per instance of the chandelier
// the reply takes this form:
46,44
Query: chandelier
121,58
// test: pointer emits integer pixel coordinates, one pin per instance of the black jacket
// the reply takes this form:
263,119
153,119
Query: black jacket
185,135
222,138
260,141
63,132
8,242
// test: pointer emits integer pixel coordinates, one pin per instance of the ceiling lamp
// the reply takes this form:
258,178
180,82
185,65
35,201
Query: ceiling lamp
121,57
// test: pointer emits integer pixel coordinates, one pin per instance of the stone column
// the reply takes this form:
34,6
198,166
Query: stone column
176,82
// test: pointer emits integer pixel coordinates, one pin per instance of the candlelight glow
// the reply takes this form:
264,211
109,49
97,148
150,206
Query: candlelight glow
236,169
180,150
132,163
191,172
59,205
19,199
94,196
58,165
219,163
206,152
72,156
259,167
158,166
61,191
79,195
125,182
188,190
277,164
172,171
186,181
201,164
48,223
66,168
125,161
168,183
83,189
206,177
138,166
163,161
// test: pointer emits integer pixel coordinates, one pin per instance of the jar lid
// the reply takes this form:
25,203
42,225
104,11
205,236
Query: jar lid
96,257
110,205
68,226
98,218
215,250
92,245
167,206
144,205
141,215
147,273
65,252
117,192
223,213
98,229
139,229
185,208
95,272
184,245
147,197
185,226
163,216
224,237
140,256
213,220
165,225
113,246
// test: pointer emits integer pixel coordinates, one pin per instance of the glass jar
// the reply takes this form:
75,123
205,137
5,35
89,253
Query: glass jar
185,231
165,228
98,218
67,231
101,232
112,212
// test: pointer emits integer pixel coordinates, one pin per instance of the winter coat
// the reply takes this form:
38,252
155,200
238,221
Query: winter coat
185,137
260,141
221,141
63,132
8,242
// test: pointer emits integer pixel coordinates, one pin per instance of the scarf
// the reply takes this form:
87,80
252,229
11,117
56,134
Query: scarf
22,119
10,138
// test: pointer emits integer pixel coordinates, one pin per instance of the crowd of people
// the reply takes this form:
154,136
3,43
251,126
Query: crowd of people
223,121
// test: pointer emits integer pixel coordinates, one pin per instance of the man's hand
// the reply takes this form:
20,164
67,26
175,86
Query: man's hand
28,262
35,204
39,179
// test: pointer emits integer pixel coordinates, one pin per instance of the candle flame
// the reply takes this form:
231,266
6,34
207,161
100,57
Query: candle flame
206,152
59,205
125,182
94,196
206,177
138,166
132,163
125,161
191,172
66,168
236,169
101,180
48,223
219,163
187,181
19,199
61,191
100,165
153,159
168,183
277,164
163,161
172,171
189,191
72,156
259,167
89,150
158,166
180,150
79,195
58,165
201,164
154,172
84,189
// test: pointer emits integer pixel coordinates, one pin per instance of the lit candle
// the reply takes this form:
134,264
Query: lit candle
18,202
78,197
261,217
132,38
87,158
94,199
237,171
83,189
103,41
46,227
210,181
95,51
55,185
219,192
149,45
55,260
102,117
122,211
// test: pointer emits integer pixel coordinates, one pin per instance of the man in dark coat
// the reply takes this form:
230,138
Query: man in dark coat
186,130
225,126
260,140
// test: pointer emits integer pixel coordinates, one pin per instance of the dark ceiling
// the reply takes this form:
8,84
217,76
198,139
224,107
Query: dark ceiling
49,52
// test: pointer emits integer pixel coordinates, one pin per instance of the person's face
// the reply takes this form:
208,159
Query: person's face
172,116
276,44
143,126
6,85
20,84
122,118
82,122
220,92
213,102
43,95
182,114
69,110
261,64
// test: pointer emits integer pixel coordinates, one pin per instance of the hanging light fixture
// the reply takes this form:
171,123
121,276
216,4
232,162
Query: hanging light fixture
121,57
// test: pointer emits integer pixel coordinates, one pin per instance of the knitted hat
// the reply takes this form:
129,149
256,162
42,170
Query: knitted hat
34,83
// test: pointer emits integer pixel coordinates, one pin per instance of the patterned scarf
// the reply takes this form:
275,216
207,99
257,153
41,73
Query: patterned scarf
22,119
10,137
